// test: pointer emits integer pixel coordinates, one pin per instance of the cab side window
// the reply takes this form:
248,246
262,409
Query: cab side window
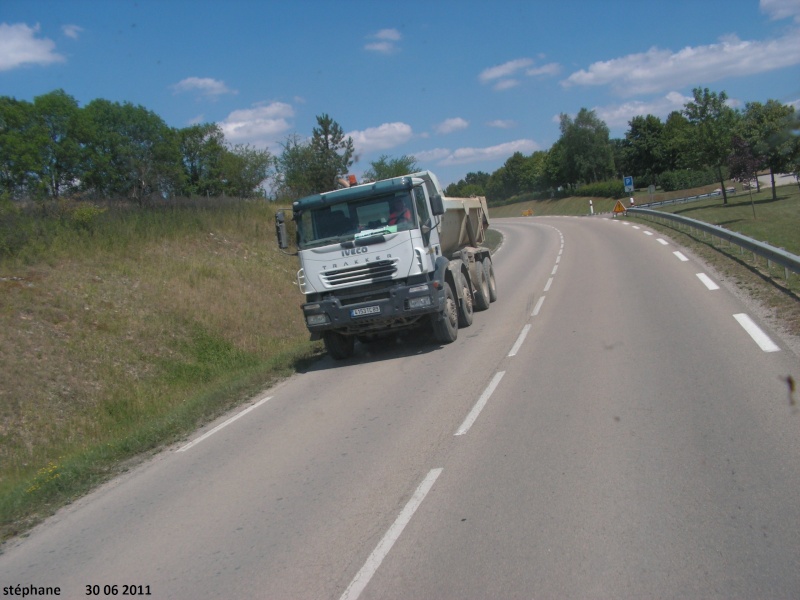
422,206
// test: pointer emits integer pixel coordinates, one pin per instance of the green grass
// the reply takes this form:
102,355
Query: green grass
125,334
776,222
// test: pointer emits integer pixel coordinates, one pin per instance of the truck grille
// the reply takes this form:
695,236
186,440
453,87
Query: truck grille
366,273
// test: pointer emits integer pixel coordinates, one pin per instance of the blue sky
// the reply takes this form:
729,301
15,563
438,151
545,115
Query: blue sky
460,85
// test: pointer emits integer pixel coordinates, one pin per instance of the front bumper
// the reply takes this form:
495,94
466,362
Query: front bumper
358,312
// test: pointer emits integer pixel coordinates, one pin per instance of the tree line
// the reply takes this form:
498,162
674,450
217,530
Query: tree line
51,148
706,142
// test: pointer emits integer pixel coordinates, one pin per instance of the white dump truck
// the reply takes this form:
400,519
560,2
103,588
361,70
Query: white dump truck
381,257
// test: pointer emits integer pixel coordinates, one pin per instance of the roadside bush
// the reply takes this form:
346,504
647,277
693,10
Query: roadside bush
602,189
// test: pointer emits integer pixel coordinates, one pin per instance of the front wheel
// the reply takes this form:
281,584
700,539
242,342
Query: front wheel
445,326
339,346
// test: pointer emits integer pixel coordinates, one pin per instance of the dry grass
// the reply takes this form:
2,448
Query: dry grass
120,340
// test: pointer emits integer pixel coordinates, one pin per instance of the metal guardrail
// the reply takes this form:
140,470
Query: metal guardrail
789,262
688,198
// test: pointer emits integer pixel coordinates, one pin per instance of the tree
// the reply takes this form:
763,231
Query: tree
332,153
202,149
644,148
130,152
55,135
473,184
292,177
743,165
713,123
587,156
244,170
767,128
19,156
676,140
386,167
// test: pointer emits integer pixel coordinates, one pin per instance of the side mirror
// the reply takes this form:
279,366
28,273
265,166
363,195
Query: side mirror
437,205
280,230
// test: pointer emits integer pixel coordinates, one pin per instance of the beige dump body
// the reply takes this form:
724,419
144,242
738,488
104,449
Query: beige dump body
464,223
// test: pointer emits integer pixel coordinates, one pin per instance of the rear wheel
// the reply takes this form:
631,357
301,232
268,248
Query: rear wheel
465,308
481,288
489,270
445,326
339,346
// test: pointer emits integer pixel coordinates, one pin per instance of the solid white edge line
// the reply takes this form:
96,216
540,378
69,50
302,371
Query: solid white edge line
363,577
515,348
225,424
759,337
538,306
680,256
707,281
476,410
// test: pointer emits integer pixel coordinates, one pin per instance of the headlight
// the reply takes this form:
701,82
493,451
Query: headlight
418,288
419,302
317,319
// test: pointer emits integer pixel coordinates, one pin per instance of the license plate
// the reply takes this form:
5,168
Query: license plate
367,310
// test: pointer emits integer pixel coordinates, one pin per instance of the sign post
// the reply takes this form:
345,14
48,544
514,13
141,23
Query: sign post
628,180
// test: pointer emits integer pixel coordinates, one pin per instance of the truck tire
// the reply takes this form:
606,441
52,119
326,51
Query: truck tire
465,308
445,326
481,288
489,270
339,346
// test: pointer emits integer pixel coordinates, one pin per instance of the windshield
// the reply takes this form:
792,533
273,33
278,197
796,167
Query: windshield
371,216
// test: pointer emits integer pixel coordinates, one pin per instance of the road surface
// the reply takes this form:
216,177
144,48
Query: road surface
617,425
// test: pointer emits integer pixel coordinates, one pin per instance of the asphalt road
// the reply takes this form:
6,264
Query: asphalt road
609,428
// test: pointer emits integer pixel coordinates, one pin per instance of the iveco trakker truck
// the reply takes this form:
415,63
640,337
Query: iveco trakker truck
381,257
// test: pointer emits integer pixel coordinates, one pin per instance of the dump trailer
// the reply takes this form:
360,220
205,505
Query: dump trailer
387,256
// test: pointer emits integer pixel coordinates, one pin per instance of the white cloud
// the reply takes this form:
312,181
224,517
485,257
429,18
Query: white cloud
261,125
781,9
505,70
386,41
620,114
433,155
451,125
501,123
548,69
504,75
657,70
72,31
19,46
205,86
463,156
387,135
505,84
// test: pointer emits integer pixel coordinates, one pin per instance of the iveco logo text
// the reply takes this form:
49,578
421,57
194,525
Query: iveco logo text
352,251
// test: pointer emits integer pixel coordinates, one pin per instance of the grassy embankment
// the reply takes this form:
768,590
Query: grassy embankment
125,330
